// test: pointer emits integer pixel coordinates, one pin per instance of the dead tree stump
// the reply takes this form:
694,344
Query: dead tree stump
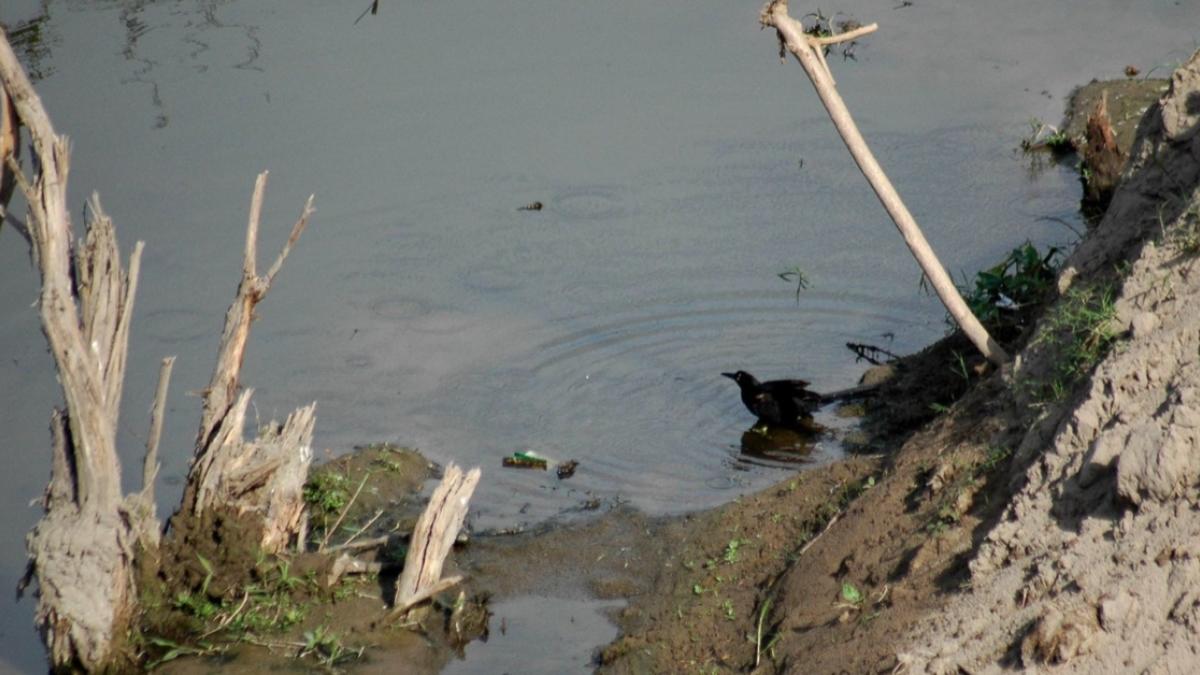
1103,161
82,551
243,496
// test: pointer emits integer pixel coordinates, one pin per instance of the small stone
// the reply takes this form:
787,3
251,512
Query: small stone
1118,611
878,374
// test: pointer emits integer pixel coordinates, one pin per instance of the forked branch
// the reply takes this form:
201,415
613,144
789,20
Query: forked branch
809,51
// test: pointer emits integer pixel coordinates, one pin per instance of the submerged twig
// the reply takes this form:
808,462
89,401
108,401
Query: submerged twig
364,528
341,516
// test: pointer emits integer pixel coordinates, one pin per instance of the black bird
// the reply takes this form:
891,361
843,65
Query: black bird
780,403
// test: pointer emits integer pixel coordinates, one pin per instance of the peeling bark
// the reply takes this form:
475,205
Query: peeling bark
80,552
84,551
1102,158
264,476
433,537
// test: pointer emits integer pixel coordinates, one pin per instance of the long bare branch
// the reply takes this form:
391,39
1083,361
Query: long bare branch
809,51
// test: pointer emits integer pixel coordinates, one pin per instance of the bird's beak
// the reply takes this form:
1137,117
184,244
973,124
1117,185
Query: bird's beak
731,376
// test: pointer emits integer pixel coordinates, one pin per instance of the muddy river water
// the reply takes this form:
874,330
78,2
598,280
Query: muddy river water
680,168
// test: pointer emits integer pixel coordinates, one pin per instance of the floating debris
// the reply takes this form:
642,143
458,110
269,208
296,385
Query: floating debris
532,206
525,460
566,469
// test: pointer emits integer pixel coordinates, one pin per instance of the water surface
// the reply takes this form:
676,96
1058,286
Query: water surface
681,167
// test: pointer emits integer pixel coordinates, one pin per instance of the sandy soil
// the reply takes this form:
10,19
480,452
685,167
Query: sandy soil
1093,566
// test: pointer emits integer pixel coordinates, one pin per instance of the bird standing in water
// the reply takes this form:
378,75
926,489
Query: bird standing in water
779,403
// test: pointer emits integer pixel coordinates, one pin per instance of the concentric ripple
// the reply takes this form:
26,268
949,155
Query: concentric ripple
637,397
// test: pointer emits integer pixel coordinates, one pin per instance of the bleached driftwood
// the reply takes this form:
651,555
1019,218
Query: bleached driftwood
432,539
81,552
146,524
264,476
10,145
810,52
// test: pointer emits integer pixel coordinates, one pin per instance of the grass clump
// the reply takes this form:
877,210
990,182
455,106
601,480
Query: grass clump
1080,330
270,603
326,493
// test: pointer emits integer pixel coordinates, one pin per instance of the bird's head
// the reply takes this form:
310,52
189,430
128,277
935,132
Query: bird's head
743,378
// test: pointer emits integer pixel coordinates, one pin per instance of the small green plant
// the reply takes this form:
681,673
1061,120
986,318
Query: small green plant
327,493
945,516
960,367
727,607
996,456
1002,294
731,551
174,650
851,595
760,634
1044,136
796,276
198,604
327,647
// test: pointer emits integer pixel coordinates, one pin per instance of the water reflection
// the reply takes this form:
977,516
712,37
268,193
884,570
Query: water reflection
163,34
32,40
772,446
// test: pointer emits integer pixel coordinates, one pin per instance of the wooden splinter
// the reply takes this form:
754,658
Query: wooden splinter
432,539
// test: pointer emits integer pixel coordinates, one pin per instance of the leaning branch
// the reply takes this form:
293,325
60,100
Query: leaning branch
809,51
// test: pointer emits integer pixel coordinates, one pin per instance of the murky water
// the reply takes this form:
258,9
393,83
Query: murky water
681,167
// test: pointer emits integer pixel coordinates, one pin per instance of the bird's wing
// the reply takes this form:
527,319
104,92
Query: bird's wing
766,406
797,389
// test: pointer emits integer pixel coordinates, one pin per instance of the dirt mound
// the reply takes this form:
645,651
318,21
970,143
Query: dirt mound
1095,564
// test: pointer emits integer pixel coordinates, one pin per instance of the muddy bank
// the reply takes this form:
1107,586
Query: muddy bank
1038,514
1044,518
1092,567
